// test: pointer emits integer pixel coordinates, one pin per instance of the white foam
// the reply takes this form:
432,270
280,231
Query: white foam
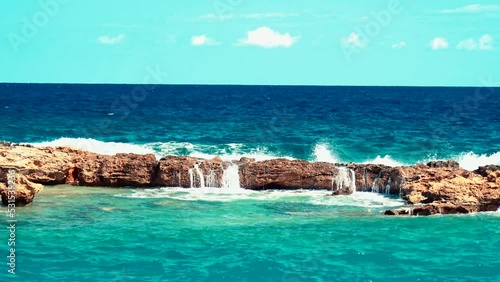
322,153
231,177
360,199
315,197
229,152
386,160
472,161
96,146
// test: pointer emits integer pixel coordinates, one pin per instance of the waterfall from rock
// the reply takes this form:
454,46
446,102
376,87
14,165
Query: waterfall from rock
194,175
212,179
388,187
375,188
200,175
345,178
231,177
191,177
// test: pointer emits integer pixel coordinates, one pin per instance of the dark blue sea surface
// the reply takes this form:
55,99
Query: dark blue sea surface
392,125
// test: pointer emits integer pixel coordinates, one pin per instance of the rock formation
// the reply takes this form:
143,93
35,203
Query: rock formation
438,187
20,191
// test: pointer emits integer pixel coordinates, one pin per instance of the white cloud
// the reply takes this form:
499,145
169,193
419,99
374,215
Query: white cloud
470,44
268,38
439,43
111,40
486,42
399,45
474,8
201,40
353,41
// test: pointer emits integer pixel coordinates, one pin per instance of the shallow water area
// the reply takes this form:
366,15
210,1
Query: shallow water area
212,234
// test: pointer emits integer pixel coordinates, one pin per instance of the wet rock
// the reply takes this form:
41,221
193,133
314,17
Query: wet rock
287,174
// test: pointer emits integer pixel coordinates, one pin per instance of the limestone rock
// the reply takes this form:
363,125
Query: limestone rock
23,193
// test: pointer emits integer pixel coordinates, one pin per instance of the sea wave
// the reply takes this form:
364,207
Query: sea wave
472,161
234,151
323,153
314,197
96,146
227,152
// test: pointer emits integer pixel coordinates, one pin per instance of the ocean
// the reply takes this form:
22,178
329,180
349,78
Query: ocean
231,234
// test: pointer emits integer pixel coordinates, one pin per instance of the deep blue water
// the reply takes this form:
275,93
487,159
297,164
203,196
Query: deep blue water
404,124
231,234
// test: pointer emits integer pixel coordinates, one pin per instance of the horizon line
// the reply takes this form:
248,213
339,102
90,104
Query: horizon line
255,85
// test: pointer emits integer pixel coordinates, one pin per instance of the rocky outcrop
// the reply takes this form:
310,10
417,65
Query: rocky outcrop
121,170
47,166
189,172
18,190
292,174
437,187
174,171
377,178
446,190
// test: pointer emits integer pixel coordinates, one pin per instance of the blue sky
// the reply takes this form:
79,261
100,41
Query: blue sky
365,42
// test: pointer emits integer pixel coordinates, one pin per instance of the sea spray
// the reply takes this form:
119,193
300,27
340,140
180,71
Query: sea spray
323,154
231,177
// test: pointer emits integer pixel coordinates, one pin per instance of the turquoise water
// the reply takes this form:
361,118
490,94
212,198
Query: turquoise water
100,234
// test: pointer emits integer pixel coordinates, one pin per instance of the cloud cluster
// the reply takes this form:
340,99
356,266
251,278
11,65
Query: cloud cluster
485,42
201,40
267,38
439,43
107,40
261,37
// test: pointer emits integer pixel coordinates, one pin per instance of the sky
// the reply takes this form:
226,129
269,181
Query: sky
264,42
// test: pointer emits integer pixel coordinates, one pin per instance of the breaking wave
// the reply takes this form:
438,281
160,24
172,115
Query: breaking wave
234,151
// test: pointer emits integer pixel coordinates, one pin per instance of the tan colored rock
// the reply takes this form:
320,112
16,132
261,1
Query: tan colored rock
46,166
287,174
120,170
447,190
23,193
174,172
